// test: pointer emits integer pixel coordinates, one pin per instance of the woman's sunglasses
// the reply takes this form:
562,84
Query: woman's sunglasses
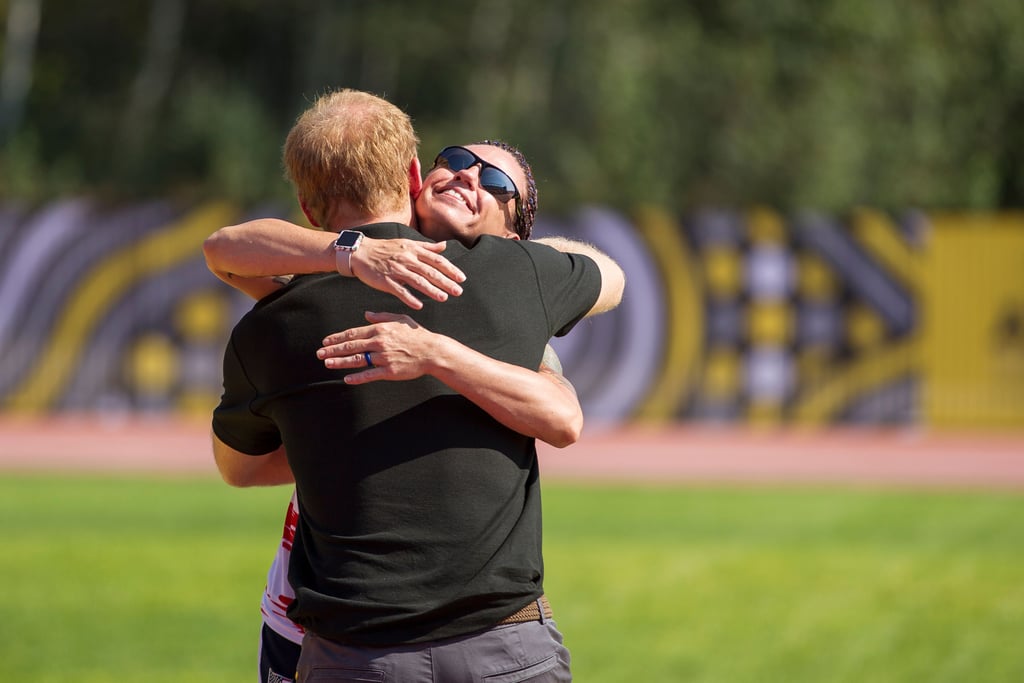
492,178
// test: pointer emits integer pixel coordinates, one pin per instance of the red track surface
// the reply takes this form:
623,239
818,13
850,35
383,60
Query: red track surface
623,454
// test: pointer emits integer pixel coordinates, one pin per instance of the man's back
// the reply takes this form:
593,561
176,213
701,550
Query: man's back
420,514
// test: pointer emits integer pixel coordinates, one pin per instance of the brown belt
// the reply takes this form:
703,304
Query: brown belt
530,613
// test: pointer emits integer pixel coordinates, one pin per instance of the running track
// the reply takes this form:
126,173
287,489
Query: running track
635,454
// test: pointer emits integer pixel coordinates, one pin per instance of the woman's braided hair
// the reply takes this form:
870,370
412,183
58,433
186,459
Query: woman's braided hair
526,207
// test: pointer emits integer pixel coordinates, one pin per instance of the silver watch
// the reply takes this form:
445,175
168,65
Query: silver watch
348,240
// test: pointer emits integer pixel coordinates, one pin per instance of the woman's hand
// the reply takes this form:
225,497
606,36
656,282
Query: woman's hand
395,265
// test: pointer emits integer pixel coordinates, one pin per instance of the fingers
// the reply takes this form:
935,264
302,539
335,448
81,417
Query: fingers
354,342
403,268
426,280
348,362
352,355
445,266
437,283
430,273
348,346
433,246
342,337
405,296
371,366
434,259
389,348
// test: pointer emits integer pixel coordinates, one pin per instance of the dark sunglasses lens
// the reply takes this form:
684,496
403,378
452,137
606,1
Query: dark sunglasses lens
455,159
498,184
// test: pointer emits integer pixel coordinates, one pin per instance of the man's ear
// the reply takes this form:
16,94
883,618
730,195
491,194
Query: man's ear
512,236
309,215
415,177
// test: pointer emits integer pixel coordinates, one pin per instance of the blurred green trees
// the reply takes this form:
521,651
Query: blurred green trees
821,104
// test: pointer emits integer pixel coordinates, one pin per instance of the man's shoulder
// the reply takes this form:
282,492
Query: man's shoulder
540,254
492,243
390,231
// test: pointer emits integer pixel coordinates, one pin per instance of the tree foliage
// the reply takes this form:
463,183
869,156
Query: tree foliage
795,104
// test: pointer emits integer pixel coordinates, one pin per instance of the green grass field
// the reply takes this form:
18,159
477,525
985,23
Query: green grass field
148,580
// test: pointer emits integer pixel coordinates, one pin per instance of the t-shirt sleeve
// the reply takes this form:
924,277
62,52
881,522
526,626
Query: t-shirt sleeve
569,284
234,421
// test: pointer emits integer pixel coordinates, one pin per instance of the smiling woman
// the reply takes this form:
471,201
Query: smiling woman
469,192
492,179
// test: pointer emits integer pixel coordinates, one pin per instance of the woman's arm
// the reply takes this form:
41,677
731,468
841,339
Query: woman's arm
247,255
242,470
541,404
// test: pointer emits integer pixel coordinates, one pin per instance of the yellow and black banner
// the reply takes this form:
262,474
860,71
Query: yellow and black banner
729,316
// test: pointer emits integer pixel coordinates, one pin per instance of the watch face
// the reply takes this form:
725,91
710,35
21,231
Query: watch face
348,239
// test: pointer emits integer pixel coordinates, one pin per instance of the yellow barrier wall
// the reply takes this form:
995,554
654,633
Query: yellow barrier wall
729,316
973,322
